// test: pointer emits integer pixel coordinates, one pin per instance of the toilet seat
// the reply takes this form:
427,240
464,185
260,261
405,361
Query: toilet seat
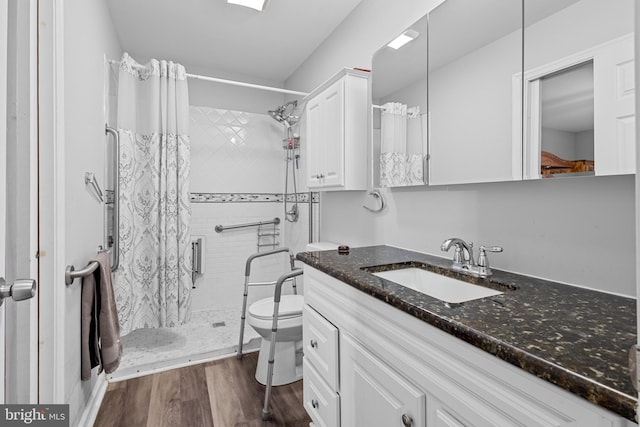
290,307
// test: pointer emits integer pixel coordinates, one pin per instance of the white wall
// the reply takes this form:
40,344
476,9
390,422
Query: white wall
88,37
572,230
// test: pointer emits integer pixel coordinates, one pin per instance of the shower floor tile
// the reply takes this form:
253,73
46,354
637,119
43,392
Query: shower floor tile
207,335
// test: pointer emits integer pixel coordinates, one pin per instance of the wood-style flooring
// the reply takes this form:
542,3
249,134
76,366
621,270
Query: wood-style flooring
222,393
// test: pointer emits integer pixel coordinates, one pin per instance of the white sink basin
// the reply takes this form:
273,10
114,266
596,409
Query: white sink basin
436,285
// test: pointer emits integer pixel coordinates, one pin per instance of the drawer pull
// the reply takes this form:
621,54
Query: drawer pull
407,421
315,404
314,344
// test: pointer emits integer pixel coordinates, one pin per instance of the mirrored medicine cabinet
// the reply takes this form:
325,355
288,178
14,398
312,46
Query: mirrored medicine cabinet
501,90
399,97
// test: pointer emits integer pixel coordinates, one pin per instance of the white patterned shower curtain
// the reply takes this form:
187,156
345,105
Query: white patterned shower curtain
153,282
401,146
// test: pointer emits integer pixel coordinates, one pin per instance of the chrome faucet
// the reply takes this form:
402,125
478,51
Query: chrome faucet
464,260
464,251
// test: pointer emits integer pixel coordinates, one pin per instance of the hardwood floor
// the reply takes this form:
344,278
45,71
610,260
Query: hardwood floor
222,393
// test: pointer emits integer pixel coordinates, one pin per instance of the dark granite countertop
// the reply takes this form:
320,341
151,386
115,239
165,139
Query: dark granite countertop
575,338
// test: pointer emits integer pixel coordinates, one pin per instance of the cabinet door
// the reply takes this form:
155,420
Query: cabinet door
373,394
614,127
314,138
333,135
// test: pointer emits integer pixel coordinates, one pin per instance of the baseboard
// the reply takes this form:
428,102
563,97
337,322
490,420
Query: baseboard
95,400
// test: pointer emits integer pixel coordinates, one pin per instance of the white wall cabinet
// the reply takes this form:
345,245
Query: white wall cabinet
337,133
396,370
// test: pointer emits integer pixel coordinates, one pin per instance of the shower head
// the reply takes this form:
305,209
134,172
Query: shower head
284,114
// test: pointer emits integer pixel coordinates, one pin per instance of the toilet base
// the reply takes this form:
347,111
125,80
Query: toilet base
287,365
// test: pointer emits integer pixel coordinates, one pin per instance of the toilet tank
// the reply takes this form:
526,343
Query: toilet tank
321,246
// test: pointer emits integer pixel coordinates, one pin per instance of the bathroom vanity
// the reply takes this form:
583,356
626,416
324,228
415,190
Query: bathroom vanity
381,354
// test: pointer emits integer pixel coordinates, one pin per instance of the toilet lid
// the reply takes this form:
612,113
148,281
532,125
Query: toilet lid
290,306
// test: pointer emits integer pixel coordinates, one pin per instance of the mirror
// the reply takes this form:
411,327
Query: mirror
475,50
578,93
399,96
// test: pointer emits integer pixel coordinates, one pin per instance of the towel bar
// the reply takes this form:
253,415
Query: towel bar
71,274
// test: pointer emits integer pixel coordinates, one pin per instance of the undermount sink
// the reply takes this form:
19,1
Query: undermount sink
436,285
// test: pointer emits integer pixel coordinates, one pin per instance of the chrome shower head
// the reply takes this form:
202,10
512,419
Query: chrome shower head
284,114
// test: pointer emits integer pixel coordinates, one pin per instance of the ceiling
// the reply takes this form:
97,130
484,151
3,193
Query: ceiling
228,39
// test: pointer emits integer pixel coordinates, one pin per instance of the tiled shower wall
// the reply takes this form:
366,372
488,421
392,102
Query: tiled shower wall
237,176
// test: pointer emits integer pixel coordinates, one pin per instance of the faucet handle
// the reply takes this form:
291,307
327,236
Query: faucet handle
483,261
491,248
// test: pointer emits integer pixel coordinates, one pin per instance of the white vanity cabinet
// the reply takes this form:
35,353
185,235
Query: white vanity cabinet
337,132
396,370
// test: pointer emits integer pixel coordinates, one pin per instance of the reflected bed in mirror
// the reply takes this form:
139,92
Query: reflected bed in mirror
566,111
399,94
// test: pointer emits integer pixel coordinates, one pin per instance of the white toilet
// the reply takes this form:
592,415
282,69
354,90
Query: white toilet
287,365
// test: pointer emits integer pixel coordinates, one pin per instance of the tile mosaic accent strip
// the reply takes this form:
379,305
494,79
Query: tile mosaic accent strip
251,197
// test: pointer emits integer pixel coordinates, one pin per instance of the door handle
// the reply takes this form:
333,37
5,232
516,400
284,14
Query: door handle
22,289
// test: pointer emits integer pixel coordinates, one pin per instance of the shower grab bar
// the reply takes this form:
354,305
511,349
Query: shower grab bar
116,198
221,228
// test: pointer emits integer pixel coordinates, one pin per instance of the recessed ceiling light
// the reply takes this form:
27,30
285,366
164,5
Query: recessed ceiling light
258,5
403,39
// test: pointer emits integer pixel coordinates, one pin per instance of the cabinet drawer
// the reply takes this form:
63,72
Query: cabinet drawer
320,339
322,403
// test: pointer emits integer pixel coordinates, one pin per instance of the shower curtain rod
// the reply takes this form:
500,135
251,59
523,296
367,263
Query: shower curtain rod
236,83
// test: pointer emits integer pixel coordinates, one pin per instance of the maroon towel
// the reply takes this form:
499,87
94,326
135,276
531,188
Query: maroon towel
99,318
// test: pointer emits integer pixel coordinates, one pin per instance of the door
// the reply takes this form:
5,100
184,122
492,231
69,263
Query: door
373,394
325,136
4,11
615,137
333,137
18,318
314,137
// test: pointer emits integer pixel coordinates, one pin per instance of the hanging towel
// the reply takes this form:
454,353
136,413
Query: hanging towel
100,329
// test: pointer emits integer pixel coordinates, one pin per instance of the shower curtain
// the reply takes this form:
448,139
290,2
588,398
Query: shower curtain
153,282
393,150
402,145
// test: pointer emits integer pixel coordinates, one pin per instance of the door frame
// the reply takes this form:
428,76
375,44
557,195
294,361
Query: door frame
637,182
51,199
23,43
4,12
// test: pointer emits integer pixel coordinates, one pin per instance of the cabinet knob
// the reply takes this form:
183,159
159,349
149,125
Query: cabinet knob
407,421
315,404
313,343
